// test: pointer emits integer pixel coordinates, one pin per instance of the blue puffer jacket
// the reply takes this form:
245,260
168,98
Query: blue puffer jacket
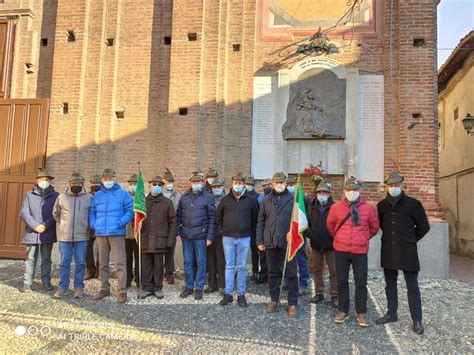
110,212
196,216
37,208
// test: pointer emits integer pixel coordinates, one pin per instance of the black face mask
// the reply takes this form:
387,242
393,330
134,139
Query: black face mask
95,188
267,190
76,189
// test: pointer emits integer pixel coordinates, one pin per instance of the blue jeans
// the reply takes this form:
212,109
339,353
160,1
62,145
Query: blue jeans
194,250
236,251
66,251
34,252
302,259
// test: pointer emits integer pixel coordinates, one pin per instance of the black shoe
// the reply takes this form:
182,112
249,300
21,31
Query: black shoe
211,290
198,295
226,300
261,279
388,318
254,277
242,301
317,299
418,327
334,302
144,294
186,292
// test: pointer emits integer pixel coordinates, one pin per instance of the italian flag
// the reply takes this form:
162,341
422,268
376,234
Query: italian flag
139,205
299,223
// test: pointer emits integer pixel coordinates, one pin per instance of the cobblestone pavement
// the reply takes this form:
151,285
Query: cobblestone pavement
37,323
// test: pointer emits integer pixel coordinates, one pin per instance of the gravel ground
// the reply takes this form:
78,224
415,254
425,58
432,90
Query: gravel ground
177,325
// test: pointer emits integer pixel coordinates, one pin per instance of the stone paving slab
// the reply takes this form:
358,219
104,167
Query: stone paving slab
185,325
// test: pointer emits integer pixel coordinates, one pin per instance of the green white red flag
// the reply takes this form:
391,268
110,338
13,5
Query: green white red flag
139,205
299,223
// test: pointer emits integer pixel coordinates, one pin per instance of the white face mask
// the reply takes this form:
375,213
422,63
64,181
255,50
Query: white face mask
352,195
280,188
169,187
210,181
43,184
394,191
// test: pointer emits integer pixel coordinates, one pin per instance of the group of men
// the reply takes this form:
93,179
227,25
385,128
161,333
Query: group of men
218,231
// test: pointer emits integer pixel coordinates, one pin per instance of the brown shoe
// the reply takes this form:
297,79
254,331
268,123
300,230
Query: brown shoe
292,312
170,279
341,317
101,294
90,275
362,320
122,297
272,307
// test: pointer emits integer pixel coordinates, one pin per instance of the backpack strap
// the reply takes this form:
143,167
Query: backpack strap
343,221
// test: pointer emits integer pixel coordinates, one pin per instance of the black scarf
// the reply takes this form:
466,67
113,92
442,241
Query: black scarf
394,200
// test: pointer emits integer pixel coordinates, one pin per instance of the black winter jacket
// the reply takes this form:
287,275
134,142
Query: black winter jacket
274,219
237,218
317,230
403,225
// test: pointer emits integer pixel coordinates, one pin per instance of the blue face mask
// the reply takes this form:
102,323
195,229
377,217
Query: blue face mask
156,190
238,188
323,198
108,184
218,191
267,190
394,191
291,188
249,188
132,188
196,188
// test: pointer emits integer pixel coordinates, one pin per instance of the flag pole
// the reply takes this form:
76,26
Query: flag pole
283,275
139,252
140,259
287,246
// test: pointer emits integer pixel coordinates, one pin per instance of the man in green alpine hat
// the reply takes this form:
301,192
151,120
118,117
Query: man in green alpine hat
111,210
404,223
40,229
71,212
170,192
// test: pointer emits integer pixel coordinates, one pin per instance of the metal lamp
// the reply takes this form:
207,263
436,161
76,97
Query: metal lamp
468,124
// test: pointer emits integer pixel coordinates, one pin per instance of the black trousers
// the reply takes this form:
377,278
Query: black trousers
359,268
275,260
131,253
152,271
92,265
259,261
414,297
169,261
216,264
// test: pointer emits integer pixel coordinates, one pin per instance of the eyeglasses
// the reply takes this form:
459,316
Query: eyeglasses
156,184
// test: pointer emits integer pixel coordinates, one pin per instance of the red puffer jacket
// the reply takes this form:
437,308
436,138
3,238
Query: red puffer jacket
350,238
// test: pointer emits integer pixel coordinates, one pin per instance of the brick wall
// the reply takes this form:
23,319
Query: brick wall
213,81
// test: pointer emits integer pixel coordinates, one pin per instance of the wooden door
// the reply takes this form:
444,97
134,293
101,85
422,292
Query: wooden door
23,133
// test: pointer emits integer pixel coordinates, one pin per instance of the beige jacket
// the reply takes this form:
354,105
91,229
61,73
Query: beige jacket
71,213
